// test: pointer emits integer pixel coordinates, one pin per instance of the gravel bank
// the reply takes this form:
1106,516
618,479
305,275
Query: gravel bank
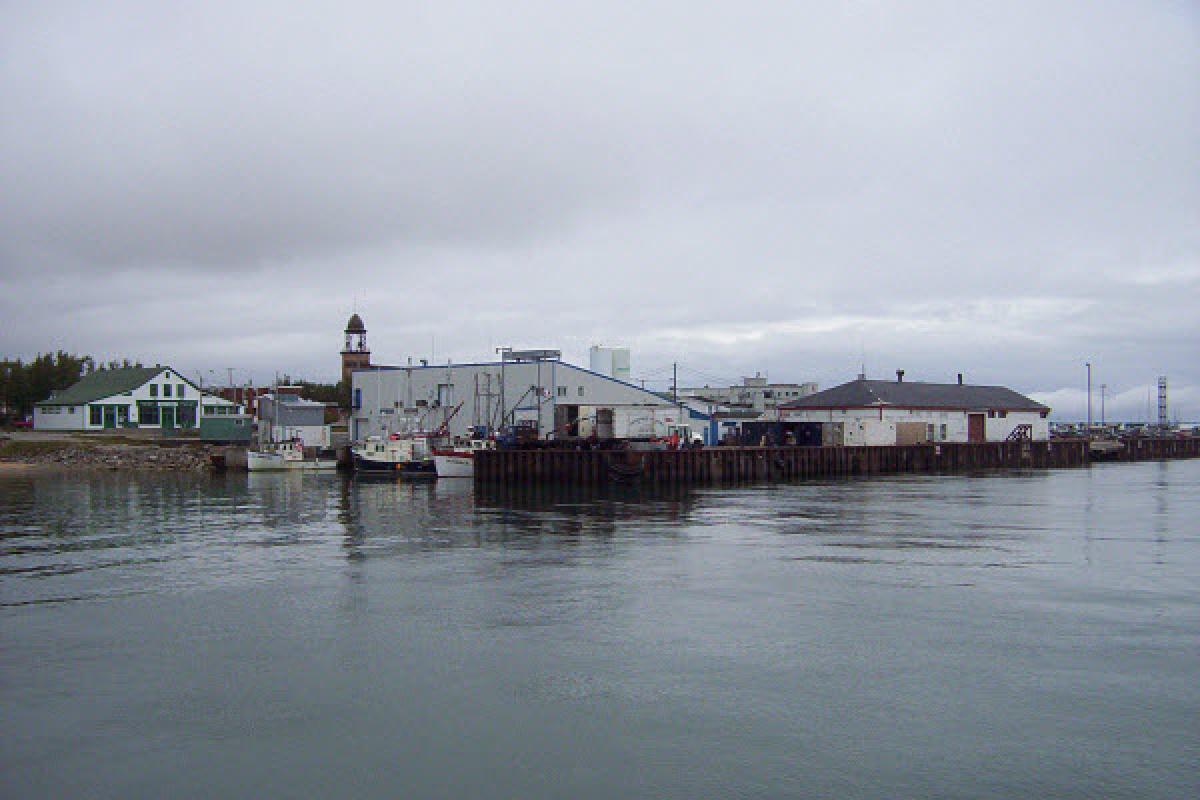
113,456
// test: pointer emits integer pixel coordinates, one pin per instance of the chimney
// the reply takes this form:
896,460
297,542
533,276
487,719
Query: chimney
960,379
899,376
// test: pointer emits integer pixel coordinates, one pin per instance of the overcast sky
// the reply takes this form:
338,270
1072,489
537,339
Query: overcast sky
1006,190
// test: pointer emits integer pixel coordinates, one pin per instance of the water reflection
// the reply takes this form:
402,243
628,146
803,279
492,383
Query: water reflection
969,635
94,534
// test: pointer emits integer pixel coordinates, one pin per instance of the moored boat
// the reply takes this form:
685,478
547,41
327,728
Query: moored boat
459,461
289,455
406,455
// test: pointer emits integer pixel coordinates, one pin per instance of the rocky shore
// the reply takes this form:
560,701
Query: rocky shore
69,454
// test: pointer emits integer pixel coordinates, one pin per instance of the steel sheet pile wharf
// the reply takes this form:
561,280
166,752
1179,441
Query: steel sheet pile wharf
1154,449
732,465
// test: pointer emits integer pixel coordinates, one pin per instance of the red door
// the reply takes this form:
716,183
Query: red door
975,428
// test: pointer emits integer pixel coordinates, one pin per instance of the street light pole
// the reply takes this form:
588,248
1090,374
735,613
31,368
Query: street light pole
1103,391
1089,402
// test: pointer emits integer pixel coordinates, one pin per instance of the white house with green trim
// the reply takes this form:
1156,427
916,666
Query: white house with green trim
130,397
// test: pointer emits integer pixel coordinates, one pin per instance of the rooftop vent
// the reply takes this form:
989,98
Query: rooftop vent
960,379
899,376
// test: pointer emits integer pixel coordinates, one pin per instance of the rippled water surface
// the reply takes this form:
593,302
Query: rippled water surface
995,635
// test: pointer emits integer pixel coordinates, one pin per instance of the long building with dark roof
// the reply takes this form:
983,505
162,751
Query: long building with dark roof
910,412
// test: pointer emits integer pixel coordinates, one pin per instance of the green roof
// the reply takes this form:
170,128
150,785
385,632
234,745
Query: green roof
102,383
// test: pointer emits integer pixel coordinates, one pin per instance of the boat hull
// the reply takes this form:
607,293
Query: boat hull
273,462
408,469
454,466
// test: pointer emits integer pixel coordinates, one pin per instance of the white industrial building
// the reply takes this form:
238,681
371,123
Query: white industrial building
870,412
532,388
610,361
755,394
129,397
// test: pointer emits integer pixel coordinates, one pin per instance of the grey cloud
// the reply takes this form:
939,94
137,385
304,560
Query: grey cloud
1006,189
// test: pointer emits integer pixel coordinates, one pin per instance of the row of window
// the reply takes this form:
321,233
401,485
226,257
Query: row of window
219,411
166,390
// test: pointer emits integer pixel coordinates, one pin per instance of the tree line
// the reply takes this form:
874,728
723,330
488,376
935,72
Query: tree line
23,383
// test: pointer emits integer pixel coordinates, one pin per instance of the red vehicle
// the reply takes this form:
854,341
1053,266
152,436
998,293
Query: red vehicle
23,423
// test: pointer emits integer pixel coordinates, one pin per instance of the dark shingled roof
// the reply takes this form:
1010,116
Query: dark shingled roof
864,393
102,383
355,324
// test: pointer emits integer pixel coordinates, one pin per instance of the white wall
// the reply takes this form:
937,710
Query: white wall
996,428
610,361
80,420
391,395
311,435
59,418
635,422
865,431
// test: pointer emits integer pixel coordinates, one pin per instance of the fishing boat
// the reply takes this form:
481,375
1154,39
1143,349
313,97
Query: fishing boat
289,455
407,455
458,461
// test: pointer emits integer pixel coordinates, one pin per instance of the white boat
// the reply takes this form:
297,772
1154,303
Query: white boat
399,454
459,461
274,456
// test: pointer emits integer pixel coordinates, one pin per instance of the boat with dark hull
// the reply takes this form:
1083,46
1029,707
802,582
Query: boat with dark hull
399,455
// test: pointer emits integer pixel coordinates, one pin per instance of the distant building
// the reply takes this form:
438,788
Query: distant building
286,416
754,394
870,412
610,361
129,397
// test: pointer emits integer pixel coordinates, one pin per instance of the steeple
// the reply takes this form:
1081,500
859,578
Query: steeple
355,354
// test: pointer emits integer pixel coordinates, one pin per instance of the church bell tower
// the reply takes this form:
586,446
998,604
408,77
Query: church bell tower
355,354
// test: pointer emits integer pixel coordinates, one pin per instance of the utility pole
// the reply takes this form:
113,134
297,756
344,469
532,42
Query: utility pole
1103,390
675,382
1089,402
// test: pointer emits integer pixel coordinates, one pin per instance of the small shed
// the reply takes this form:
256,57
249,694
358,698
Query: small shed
231,429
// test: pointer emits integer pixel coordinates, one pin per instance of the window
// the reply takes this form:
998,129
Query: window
186,416
147,414
929,433
581,391
943,436
1003,414
562,391
70,409
154,390
166,390
95,415
991,414
357,398
179,390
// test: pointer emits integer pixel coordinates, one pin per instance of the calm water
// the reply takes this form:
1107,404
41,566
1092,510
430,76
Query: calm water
998,635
